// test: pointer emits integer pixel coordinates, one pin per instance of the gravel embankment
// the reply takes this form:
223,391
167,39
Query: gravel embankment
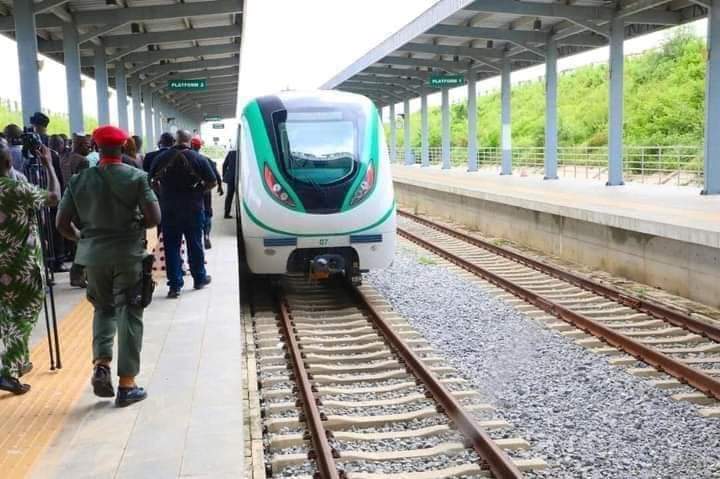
586,418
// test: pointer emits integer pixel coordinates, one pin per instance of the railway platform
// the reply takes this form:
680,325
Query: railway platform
192,423
663,236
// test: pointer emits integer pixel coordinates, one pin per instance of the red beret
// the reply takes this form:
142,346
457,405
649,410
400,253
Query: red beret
109,135
196,141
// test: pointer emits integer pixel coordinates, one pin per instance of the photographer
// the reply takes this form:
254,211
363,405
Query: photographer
30,138
21,283
107,200
181,177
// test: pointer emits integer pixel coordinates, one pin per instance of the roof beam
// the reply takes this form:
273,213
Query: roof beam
158,12
640,12
142,39
126,15
471,52
46,5
96,32
154,56
555,10
397,81
489,33
398,72
134,41
191,65
420,62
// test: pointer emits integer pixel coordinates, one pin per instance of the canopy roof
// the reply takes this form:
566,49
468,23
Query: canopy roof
156,40
473,37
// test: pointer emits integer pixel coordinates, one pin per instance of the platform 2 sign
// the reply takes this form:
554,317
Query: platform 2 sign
444,81
187,85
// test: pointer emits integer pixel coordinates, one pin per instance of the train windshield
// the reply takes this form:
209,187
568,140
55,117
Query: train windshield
319,147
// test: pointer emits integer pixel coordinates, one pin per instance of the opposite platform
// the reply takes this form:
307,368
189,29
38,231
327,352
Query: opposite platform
664,236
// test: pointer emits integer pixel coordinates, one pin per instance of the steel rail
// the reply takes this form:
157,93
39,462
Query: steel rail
323,455
499,463
657,310
684,373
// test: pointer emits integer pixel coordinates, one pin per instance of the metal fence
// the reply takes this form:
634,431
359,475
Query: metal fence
676,165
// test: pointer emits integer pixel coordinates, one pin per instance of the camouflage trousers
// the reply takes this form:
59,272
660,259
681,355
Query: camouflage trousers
15,329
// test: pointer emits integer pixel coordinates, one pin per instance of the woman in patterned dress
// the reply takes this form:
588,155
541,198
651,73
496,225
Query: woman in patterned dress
21,281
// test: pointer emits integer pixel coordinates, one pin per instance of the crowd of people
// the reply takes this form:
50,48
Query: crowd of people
101,195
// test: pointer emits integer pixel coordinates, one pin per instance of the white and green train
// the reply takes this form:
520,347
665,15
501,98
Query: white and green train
315,185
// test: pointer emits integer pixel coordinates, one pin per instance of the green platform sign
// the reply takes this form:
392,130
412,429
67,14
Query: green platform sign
218,126
444,81
192,85
212,118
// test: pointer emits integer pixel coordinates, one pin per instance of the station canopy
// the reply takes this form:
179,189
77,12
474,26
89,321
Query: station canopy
474,38
156,41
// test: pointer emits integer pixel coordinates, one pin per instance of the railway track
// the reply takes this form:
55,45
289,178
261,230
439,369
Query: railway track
349,390
658,338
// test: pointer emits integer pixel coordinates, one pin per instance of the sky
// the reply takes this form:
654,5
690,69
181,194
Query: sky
288,44
300,45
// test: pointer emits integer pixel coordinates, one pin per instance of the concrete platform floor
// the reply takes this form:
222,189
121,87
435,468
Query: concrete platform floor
674,212
191,425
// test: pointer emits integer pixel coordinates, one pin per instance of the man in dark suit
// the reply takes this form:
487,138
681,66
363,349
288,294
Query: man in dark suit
166,141
229,172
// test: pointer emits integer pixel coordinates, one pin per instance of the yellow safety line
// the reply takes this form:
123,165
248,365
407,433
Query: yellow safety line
30,422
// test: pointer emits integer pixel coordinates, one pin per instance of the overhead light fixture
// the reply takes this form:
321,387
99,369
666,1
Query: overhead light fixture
490,44
135,27
537,24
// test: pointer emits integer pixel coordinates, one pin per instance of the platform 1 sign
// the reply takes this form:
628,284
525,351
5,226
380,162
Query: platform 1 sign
187,85
444,81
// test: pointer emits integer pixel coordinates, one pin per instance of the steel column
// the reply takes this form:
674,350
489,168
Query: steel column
393,134
506,131
147,105
445,128
712,103
157,125
424,143
71,58
101,86
472,123
121,92
26,39
615,128
409,160
551,114
137,107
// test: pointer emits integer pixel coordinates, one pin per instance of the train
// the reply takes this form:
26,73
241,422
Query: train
315,191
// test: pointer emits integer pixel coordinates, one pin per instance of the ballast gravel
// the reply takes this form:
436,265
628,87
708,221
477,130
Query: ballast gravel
584,417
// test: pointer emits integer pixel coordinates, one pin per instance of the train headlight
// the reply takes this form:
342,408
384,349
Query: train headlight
276,189
365,187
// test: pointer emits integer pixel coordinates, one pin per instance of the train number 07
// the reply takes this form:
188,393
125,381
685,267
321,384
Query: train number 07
323,242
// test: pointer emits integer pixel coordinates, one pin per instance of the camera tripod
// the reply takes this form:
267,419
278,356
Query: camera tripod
37,176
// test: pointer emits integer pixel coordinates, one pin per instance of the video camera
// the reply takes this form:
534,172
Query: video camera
31,142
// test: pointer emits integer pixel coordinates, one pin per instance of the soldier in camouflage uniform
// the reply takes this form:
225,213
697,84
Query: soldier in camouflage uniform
21,280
